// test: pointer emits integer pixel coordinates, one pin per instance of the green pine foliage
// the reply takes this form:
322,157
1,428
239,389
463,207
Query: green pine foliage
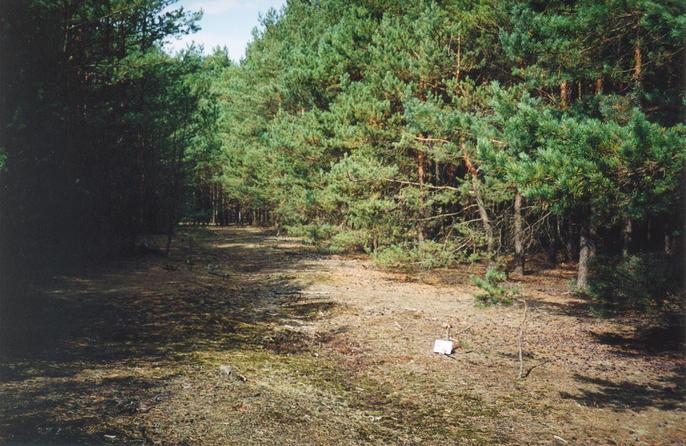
408,130
397,128
645,282
495,289
102,132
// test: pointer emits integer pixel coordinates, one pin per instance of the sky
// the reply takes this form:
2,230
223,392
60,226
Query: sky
225,23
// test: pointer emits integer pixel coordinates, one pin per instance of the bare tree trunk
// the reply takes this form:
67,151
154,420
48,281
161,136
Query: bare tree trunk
570,252
518,235
552,252
599,86
579,91
637,61
626,237
421,175
213,203
483,214
564,94
669,242
486,222
170,237
553,238
67,26
569,238
586,253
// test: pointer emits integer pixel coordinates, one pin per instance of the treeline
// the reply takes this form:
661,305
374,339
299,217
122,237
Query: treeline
432,132
425,133
103,133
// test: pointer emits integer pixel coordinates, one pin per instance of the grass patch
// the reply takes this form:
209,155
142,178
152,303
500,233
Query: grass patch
412,412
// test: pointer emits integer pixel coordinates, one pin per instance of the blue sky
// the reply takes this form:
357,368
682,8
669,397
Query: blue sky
225,23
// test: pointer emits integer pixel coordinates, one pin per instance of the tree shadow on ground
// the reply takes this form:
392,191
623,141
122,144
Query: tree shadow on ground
658,335
653,333
83,356
624,395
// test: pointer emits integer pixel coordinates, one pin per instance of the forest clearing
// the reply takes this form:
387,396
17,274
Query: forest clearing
325,349
342,222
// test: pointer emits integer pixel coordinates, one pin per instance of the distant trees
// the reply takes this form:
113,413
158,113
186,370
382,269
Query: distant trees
100,128
440,131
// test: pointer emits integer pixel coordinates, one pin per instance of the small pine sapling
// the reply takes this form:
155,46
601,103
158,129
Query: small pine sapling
495,288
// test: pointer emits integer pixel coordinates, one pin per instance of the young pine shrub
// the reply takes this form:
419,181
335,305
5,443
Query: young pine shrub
430,254
427,254
495,288
394,256
347,241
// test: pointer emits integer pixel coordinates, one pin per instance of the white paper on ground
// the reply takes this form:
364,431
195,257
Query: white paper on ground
443,347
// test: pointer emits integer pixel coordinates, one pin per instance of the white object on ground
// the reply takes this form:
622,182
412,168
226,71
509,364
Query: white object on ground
560,440
443,346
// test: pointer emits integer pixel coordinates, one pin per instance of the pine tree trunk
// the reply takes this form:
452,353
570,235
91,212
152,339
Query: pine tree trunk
483,213
570,239
564,94
669,242
637,61
553,243
518,235
626,237
421,175
485,221
586,253
552,252
599,86
170,237
488,229
213,205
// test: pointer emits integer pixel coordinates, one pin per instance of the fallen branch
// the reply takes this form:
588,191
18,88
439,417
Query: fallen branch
528,372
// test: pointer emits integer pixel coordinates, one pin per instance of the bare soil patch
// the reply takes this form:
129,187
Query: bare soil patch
323,350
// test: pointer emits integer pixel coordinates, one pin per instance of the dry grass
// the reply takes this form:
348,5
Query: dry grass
333,351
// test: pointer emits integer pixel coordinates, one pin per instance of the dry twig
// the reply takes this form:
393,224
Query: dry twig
520,337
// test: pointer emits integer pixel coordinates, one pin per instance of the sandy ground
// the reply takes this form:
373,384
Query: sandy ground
241,337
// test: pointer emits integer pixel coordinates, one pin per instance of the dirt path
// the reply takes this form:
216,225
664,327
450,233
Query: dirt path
321,350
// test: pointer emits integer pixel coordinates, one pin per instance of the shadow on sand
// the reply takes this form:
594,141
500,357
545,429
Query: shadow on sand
83,355
623,395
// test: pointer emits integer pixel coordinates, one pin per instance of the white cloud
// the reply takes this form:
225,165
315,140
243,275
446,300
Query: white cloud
225,23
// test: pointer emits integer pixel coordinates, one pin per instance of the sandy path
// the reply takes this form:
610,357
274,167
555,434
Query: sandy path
323,350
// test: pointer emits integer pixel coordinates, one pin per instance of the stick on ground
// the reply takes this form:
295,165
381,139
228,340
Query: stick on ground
519,339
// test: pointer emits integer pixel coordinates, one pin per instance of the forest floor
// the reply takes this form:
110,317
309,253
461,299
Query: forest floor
242,337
